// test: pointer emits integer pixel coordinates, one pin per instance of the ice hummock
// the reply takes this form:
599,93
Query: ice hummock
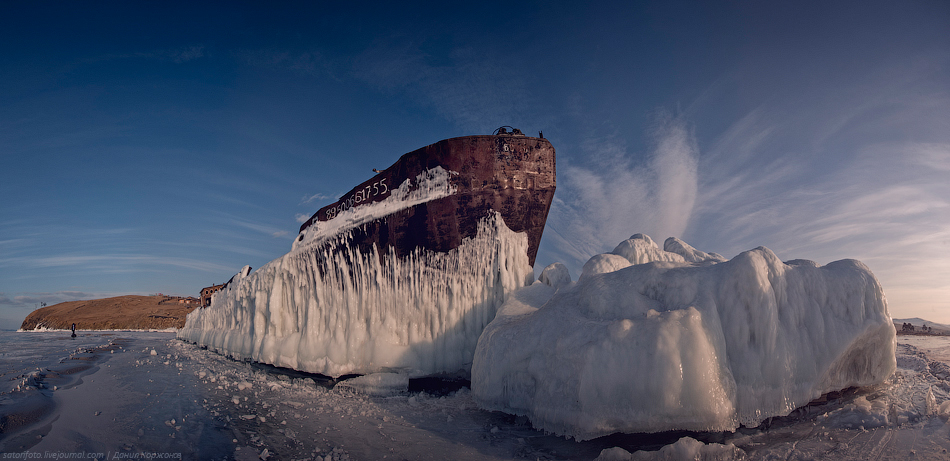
650,340
682,449
327,307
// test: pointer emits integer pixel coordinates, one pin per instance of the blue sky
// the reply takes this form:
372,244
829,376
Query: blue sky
159,147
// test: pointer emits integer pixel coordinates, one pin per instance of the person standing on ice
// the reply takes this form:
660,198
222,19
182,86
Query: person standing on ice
74,330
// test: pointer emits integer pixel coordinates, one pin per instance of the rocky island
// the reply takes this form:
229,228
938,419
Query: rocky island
119,313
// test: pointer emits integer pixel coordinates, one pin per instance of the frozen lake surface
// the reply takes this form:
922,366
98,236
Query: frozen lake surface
149,394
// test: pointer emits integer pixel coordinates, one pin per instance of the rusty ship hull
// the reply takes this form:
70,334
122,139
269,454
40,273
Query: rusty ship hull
511,174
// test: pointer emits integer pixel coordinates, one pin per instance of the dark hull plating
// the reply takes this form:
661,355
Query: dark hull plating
513,175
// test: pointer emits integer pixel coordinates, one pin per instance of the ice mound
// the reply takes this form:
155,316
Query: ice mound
684,448
682,340
690,254
640,249
378,384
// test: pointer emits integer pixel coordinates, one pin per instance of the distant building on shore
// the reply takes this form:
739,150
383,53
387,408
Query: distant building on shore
184,300
207,292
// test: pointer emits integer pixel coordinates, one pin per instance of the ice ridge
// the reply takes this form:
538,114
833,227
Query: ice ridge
327,307
648,340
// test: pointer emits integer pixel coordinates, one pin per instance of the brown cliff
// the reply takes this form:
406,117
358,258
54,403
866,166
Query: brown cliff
119,313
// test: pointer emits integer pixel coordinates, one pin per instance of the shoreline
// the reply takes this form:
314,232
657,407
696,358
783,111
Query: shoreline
68,330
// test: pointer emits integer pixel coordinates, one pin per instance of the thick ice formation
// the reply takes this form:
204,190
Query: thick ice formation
663,341
326,307
684,448
378,384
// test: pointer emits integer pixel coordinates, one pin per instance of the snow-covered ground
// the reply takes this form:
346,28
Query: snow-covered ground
113,394
652,353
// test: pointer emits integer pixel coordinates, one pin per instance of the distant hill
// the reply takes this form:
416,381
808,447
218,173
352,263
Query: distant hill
917,322
119,313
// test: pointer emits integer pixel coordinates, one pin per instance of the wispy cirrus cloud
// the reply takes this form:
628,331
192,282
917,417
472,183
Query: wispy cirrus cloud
315,197
309,62
933,156
32,299
186,54
177,55
272,231
111,262
885,208
601,204
864,178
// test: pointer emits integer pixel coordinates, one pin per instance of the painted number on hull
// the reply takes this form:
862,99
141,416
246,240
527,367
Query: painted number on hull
507,148
371,191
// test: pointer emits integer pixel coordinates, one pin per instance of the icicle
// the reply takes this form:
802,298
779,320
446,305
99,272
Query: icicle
329,308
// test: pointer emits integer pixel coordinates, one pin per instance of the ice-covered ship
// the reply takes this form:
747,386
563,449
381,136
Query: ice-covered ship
403,272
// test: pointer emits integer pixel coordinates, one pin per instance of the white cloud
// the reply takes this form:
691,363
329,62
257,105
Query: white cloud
932,155
319,197
865,179
272,231
600,205
186,54
311,62
176,55
33,299
111,262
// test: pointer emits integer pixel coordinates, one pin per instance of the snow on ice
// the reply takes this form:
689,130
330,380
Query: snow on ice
683,449
192,401
326,307
651,340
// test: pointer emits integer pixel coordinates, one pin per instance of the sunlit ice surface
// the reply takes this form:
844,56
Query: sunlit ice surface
184,399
